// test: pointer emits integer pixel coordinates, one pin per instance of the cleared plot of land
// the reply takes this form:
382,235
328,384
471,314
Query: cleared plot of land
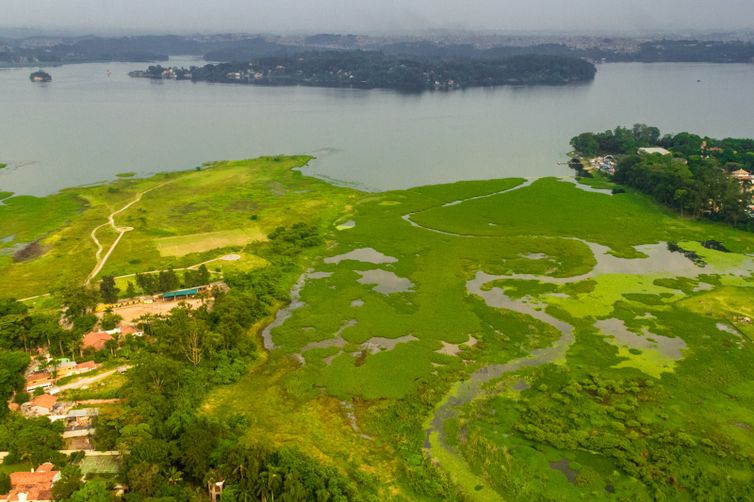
199,243
130,313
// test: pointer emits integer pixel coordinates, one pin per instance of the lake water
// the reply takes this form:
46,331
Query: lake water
85,127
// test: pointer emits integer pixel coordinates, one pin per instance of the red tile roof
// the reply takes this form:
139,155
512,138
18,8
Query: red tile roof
96,341
36,485
87,366
45,401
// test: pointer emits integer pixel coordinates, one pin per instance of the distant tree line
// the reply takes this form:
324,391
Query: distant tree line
168,280
249,48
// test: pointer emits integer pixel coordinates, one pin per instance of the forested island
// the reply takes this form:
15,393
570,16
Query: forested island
698,176
372,70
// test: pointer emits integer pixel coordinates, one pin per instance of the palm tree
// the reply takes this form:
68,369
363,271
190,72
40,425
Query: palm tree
174,476
268,483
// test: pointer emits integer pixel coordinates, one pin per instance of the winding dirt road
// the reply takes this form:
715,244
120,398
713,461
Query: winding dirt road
121,231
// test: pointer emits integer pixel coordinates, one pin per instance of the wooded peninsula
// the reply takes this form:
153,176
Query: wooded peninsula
373,70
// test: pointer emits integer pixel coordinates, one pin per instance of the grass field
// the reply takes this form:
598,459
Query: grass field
201,243
192,217
400,359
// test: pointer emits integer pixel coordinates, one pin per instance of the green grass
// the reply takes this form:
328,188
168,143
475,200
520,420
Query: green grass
651,402
258,194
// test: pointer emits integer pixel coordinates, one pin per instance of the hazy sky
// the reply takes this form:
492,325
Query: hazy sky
378,15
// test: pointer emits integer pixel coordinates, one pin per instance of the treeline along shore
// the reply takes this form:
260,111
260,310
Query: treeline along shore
695,175
373,70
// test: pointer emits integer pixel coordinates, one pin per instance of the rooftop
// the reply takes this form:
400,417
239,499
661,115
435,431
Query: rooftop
654,149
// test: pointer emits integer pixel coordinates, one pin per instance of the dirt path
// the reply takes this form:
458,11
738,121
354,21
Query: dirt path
85,382
121,231
226,257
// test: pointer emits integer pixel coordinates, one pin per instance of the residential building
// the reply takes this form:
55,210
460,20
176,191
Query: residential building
34,486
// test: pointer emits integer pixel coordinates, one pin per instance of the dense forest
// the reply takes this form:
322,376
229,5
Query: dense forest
370,70
695,180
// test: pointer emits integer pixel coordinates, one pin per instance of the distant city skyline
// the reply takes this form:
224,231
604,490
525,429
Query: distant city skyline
370,17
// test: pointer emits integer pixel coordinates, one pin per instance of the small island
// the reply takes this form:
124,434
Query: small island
375,70
40,76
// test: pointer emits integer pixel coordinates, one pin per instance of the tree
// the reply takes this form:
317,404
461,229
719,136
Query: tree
12,365
130,290
78,301
4,482
108,290
70,481
147,283
110,321
92,491
36,440
168,280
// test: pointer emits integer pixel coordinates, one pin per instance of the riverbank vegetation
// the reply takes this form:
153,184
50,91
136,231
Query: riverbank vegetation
470,341
700,176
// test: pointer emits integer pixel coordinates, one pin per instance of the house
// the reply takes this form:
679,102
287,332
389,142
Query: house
653,150
38,380
64,367
742,175
85,367
40,406
96,340
34,486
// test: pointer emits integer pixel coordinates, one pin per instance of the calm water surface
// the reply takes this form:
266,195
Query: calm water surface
85,127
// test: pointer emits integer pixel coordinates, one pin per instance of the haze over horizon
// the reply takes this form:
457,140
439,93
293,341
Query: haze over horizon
362,16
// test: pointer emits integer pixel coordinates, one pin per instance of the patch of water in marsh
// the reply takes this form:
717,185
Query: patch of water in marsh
347,225
728,329
535,256
286,312
453,349
358,302
564,466
336,340
670,347
319,275
379,343
586,188
385,282
366,255
495,297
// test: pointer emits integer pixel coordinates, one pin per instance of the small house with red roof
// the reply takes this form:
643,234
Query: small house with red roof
34,486
96,340
40,406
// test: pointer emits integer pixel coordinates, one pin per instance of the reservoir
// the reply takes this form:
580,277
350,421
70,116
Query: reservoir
87,125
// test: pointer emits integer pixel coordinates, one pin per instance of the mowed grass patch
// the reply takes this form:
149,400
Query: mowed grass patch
182,245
